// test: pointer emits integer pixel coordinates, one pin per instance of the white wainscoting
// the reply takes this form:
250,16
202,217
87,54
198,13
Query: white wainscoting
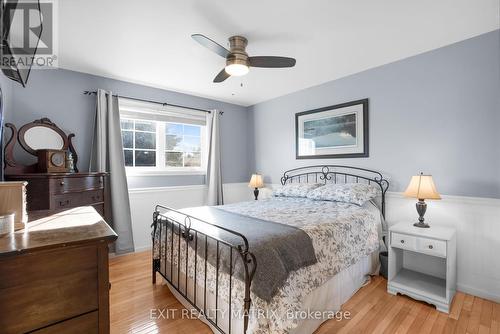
144,200
477,221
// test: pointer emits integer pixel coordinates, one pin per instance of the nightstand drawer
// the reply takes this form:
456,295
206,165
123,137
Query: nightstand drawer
431,246
403,241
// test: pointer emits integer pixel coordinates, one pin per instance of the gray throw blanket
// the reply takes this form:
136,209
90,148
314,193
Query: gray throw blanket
279,249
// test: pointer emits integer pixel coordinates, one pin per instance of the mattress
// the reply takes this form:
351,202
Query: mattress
342,234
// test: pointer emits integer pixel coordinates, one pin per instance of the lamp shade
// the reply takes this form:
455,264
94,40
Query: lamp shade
256,181
422,187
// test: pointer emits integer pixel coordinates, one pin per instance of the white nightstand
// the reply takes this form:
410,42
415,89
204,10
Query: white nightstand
423,263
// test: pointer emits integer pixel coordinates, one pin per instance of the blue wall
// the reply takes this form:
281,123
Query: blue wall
58,95
437,112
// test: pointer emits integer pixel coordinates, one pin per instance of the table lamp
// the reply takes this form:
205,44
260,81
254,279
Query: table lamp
422,187
256,182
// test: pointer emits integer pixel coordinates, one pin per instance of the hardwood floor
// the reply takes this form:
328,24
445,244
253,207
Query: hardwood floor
372,309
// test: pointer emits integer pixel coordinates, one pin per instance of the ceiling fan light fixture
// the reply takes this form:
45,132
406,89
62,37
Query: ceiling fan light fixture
238,62
237,70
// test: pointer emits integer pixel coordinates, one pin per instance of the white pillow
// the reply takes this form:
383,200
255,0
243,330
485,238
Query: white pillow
355,193
295,189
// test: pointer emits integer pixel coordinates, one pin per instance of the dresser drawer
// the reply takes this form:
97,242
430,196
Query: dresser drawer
72,200
84,324
71,184
431,246
403,241
38,290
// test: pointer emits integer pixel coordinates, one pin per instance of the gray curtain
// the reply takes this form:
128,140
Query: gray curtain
107,156
215,194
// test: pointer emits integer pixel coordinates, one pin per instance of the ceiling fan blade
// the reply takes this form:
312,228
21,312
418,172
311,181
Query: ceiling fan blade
223,75
271,61
209,44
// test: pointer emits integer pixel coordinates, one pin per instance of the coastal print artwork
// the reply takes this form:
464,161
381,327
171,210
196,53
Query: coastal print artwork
339,131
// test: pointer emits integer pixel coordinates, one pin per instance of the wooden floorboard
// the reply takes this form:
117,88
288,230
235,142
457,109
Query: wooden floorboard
134,299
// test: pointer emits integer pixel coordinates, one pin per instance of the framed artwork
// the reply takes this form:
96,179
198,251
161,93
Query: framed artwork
339,131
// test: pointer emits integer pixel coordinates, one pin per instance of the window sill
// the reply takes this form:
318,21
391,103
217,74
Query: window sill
134,173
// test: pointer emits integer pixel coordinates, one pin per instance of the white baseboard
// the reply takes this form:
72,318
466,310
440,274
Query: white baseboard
476,220
485,294
143,248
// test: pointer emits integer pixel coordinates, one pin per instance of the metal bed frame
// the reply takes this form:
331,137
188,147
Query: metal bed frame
163,225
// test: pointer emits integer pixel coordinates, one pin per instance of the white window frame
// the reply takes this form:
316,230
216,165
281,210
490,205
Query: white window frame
133,149
160,169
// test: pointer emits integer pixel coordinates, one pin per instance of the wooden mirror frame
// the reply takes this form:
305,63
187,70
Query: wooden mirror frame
46,123
12,167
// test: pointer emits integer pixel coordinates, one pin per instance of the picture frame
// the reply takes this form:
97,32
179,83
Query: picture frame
337,131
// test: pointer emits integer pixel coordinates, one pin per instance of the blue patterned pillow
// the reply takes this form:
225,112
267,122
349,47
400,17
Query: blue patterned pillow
355,193
295,189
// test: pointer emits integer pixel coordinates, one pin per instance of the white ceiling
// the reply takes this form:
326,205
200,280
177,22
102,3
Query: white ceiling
148,41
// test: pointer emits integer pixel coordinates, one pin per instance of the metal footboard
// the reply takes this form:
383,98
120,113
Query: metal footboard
169,224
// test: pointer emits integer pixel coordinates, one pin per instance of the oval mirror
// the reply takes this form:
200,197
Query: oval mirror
40,138
42,135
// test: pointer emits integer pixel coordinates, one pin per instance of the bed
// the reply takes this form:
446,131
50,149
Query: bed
210,256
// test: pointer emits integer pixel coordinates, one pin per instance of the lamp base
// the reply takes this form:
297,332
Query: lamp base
256,193
421,208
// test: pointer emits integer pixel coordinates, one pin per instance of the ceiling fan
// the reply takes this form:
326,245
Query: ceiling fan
238,62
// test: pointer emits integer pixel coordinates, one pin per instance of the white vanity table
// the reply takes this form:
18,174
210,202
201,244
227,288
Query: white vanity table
422,263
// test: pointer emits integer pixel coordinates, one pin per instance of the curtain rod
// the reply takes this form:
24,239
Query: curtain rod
150,101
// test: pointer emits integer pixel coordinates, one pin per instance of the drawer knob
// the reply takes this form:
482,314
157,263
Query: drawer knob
402,241
62,183
431,247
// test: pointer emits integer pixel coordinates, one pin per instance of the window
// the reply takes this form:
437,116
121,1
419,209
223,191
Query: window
139,142
182,145
161,142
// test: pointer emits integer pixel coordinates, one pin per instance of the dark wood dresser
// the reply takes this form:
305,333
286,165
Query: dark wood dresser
52,192
54,275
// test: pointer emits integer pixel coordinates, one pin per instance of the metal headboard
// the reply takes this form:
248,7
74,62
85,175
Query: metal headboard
337,174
